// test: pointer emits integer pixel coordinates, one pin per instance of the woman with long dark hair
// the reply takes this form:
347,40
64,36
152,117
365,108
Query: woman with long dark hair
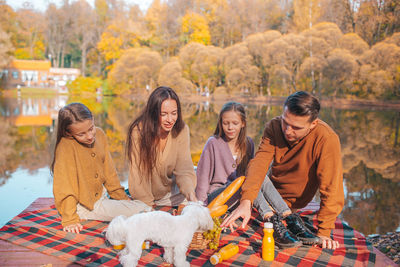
158,149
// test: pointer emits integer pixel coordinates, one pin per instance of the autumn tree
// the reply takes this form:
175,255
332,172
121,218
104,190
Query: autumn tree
340,12
207,67
120,35
376,20
195,29
187,56
171,76
306,13
353,43
136,70
256,44
6,49
242,76
58,21
83,30
340,70
380,70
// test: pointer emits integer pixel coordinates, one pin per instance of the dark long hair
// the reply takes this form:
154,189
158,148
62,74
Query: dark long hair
302,103
242,142
71,113
148,126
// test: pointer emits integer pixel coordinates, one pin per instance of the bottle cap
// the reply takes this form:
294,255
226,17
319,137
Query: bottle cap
214,259
146,245
268,225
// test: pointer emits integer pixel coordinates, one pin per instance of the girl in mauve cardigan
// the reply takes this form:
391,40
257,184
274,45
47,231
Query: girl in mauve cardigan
225,157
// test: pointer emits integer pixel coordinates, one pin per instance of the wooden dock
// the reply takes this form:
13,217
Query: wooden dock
14,255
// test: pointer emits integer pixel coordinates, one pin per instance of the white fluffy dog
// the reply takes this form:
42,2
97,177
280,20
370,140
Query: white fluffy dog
174,233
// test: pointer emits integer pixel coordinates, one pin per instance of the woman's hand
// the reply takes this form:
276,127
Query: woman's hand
192,196
73,228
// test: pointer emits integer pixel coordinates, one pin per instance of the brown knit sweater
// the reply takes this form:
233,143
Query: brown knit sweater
79,175
297,171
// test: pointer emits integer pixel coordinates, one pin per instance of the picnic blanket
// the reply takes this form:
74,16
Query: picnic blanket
41,231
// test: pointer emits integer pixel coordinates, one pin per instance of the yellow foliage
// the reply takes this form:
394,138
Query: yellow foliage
22,53
84,84
115,39
195,28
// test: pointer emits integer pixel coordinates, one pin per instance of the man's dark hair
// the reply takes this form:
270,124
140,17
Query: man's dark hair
303,104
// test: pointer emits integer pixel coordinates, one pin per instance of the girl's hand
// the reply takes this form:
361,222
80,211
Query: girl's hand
73,228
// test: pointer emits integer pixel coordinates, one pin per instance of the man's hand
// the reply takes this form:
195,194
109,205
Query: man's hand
73,228
243,211
326,242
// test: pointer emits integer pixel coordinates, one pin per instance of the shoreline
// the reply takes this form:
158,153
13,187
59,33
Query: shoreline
329,102
388,244
340,103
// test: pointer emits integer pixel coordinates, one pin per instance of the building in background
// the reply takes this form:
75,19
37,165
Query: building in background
38,74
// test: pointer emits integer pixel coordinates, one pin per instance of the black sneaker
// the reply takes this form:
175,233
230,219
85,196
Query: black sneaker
283,238
296,226
309,224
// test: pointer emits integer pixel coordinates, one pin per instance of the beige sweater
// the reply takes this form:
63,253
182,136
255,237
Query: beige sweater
79,175
174,161
298,171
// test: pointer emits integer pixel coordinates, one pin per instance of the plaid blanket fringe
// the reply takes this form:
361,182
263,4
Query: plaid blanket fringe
41,231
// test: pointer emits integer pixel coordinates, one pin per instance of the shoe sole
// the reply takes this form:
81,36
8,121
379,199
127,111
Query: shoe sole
295,245
307,241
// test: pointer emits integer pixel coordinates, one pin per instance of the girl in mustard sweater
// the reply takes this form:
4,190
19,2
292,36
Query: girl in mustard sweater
83,172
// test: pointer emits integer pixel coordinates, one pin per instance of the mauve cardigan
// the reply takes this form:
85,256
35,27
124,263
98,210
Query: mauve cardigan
216,166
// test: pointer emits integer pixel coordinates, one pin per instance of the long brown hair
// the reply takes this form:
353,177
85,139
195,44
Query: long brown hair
71,113
148,126
242,142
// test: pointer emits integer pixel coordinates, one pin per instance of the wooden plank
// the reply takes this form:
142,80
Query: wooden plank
14,255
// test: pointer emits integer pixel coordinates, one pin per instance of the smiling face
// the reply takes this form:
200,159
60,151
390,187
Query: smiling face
295,127
84,132
232,124
168,115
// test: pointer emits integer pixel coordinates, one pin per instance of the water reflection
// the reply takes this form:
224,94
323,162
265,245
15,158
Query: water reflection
370,149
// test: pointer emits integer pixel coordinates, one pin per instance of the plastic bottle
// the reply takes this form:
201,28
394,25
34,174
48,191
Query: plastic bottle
268,243
224,253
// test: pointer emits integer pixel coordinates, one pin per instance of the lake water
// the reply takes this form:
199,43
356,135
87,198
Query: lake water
370,149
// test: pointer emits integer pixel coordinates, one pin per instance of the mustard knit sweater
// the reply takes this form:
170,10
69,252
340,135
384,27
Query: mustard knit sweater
79,175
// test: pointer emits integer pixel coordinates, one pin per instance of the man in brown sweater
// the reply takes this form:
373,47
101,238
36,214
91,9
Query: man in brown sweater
305,156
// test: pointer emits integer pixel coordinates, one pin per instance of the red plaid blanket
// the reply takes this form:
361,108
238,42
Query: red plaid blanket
41,231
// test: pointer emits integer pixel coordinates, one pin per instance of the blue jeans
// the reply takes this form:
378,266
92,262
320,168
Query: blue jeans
269,200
